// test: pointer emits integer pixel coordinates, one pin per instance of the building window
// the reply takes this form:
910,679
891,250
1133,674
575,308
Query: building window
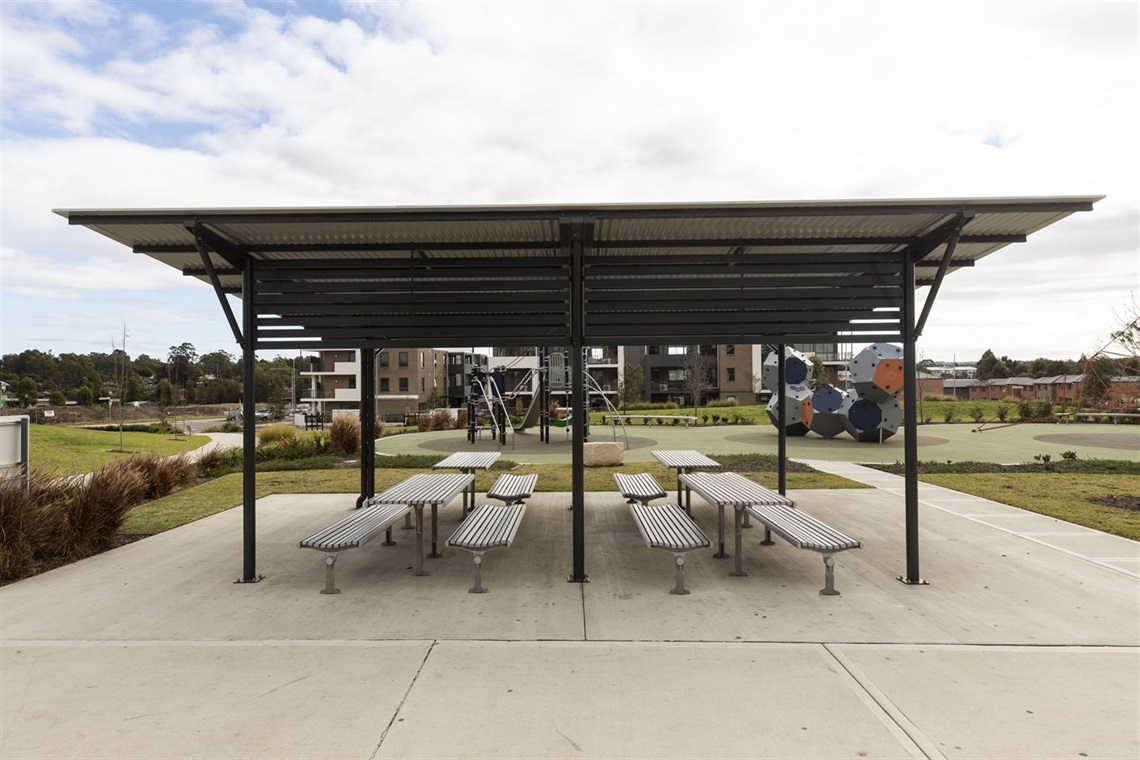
352,381
421,359
385,386
678,350
403,385
403,358
730,374
383,358
422,388
730,349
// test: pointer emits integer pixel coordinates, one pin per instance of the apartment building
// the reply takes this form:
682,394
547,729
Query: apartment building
407,380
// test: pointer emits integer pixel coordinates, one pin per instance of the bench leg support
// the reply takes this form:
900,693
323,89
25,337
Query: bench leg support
330,575
680,588
828,576
478,588
388,537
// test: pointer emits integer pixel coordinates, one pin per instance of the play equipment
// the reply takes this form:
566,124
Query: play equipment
869,412
489,397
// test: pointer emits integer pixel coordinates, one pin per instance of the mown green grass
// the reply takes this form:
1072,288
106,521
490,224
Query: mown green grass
1061,495
226,492
72,451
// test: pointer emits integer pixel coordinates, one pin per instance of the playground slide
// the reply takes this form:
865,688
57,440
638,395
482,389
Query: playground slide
531,417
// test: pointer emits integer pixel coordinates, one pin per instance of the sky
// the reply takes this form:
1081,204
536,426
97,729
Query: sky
267,104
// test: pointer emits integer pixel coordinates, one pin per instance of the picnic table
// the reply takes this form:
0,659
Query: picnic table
685,461
418,491
732,489
468,462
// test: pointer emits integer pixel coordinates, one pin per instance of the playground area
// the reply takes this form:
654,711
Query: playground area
1011,444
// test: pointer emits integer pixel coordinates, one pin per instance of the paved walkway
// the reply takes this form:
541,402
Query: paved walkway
1025,644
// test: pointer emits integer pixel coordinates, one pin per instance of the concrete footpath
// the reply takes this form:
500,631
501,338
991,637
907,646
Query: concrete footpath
1026,643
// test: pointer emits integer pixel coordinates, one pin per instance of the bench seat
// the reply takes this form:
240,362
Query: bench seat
350,532
668,527
513,489
490,526
803,531
639,488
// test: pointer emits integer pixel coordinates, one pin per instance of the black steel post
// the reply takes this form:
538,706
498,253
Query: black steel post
910,424
367,425
249,426
575,231
782,418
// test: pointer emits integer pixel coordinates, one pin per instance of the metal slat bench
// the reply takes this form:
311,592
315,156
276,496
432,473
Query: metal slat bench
803,531
488,527
668,527
639,488
351,532
512,489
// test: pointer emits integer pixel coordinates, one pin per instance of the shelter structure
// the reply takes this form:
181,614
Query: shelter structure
578,275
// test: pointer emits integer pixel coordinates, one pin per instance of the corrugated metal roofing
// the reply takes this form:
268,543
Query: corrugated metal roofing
504,275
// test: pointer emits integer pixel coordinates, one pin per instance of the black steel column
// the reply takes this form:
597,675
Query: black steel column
249,426
910,423
367,425
782,418
574,232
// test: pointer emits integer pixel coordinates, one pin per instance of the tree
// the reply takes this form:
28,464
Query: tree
83,395
700,376
818,377
630,385
1128,334
183,366
25,391
1099,372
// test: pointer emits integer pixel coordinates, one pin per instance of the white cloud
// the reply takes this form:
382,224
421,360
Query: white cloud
126,105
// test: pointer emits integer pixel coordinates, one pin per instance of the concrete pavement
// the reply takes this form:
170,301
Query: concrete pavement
1026,643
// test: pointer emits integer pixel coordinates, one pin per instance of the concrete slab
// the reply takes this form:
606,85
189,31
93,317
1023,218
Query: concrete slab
151,650
1009,701
495,700
145,700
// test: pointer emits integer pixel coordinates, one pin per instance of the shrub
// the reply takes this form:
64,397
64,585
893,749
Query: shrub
977,413
461,419
1003,411
425,423
344,436
441,420
722,402
704,419
276,432
51,520
218,461
161,475
950,414
1025,410
1044,410
1070,456
287,448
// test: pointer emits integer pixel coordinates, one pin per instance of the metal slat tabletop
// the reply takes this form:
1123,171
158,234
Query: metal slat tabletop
418,491
685,461
723,489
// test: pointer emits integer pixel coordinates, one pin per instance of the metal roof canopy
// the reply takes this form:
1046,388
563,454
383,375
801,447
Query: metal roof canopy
578,275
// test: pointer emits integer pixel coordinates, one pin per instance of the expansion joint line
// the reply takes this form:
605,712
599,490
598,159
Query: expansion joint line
403,699
916,743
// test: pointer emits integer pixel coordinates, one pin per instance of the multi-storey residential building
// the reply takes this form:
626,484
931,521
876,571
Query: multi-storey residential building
407,380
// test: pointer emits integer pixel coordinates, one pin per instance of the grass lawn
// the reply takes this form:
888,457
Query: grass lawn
63,450
225,492
1057,494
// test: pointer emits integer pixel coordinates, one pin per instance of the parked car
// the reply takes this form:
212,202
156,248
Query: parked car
233,415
